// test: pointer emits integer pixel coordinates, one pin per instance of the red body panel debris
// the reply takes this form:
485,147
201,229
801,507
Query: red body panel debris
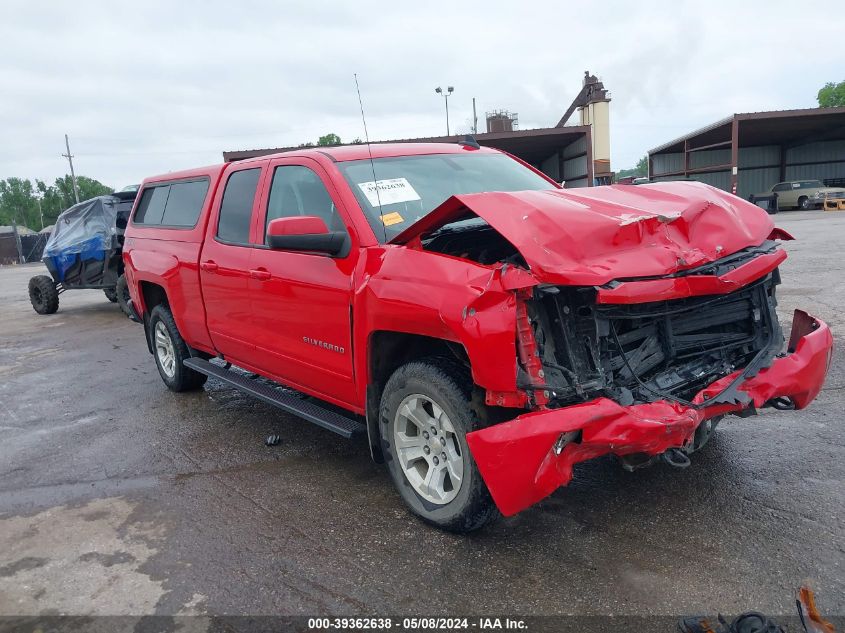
780,234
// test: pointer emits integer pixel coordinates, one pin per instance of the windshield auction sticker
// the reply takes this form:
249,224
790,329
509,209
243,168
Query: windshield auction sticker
390,219
391,191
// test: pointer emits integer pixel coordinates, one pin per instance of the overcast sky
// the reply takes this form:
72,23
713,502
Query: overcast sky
149,87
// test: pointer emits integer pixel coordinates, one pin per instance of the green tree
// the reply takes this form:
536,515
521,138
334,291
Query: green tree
18,204
832,95
329,139
88,188
52,203
639,170
23,202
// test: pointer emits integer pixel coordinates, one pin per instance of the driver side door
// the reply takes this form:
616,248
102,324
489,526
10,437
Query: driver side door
302,302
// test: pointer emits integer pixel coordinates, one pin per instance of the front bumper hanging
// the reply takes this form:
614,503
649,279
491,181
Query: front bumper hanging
524,460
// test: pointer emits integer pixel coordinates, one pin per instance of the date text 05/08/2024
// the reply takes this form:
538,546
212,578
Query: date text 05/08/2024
417,624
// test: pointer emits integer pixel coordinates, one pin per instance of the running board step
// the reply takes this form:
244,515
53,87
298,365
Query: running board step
330,420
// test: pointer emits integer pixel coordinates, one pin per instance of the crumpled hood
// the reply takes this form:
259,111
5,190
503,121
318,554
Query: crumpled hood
593,235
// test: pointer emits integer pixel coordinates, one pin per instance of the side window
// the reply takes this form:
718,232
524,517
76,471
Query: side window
151,207
236,207
185,203
297,190
781,187
176,204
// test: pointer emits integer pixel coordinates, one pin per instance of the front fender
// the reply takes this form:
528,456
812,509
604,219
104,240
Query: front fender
428,294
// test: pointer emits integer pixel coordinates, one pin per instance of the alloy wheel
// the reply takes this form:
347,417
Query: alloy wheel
165,351
427,449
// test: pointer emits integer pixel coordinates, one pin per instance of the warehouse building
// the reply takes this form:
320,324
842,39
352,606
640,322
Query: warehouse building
561,153
577,155
749,153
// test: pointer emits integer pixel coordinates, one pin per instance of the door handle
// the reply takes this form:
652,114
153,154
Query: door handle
261,275
209,266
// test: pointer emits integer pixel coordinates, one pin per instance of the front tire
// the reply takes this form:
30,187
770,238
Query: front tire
43,294
424,417
804,203
170,350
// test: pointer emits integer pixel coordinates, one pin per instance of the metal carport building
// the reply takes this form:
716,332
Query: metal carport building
747,153
562,153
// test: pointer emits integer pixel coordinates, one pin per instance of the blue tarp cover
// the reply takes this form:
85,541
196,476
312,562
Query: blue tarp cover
85,231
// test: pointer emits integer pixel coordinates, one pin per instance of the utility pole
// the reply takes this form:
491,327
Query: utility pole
69,157
40,212
474,118
445,94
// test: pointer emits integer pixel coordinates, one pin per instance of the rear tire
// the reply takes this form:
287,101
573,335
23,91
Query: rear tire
43,294
434,394
170,350
121,290
111,295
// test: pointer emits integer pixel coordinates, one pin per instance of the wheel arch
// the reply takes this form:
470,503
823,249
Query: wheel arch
388,350
151,295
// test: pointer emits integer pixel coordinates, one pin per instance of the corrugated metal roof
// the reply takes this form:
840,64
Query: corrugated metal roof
750,116
512,142
701,130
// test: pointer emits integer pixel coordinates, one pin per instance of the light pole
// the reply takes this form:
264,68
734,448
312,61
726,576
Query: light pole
449,90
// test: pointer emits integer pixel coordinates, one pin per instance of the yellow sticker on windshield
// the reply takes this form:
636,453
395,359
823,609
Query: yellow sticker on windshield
390,219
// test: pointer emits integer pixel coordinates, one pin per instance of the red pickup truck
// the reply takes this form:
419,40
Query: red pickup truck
486,329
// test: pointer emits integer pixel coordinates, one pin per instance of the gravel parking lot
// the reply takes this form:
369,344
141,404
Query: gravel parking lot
120,497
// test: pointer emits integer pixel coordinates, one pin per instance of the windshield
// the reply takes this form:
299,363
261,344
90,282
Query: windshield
410,187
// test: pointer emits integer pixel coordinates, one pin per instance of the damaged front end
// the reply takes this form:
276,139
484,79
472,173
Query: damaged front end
644,380
637,353
550,442
636,330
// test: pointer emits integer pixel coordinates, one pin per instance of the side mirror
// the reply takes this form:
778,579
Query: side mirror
307,233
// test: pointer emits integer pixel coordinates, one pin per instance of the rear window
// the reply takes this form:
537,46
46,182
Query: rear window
175,204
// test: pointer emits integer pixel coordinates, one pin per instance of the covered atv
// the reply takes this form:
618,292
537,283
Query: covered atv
85,250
